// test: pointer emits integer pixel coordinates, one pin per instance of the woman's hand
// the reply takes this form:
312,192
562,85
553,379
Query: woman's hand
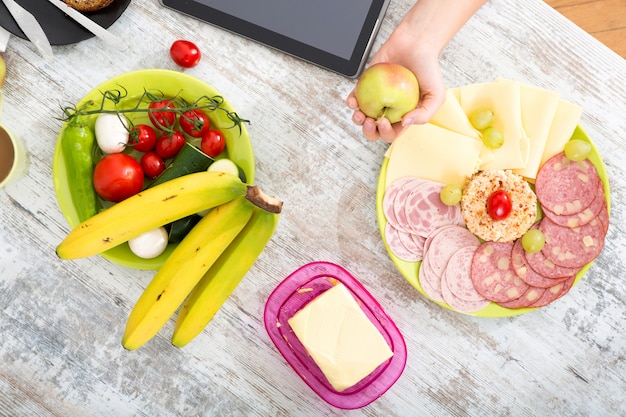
416,44
425,65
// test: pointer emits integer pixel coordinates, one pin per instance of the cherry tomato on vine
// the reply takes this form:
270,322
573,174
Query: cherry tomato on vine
152,164
169,144
142,138
213,143
160,116
195,123
185,53
117,177
499,205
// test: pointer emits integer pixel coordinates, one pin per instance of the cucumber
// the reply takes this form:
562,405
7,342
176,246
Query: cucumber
226,165
76,144
180,228
190,159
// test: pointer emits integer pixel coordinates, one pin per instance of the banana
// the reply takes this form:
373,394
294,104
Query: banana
150,209
223,277
183,269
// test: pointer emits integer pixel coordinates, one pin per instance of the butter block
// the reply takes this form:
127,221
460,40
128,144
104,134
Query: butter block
340,338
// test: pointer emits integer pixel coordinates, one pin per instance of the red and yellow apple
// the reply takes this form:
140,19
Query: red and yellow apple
387,90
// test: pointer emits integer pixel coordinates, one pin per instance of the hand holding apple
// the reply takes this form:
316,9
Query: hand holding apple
387,90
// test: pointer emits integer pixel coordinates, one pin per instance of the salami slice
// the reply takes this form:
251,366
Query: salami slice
526,273
551,294
493,275
531,295
425,212
397,247
572,247
583,217
457,276
566,187
459,304
544,266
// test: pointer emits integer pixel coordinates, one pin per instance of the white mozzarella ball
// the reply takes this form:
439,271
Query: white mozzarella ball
112,132
150,244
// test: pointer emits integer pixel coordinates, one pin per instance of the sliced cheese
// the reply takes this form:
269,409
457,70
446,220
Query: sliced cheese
504,99
452,117
566,117
340,338
538,108
434,153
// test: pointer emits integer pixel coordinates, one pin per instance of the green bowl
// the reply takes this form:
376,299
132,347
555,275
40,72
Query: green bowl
410,269
170,83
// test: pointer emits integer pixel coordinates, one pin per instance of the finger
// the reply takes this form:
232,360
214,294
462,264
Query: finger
358,118
351,100
386,131
370,130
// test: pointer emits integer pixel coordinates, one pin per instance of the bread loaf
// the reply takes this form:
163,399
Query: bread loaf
88,5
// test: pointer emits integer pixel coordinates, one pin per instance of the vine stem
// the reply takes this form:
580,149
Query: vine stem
180,106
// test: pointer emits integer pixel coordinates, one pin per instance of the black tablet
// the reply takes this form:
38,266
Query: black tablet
334,34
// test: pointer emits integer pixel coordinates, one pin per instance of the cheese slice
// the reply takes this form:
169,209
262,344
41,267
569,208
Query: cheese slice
452,117
504,99
340,338
433,153
538,107
566,118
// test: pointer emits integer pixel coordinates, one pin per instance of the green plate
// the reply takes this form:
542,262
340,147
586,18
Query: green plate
170,83
410,269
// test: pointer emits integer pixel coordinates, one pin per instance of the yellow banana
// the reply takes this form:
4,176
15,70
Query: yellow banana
183,269
150,209
223,277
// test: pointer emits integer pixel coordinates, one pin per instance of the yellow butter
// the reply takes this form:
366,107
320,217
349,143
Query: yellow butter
340,338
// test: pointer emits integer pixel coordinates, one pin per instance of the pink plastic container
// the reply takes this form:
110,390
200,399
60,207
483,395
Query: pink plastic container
301,287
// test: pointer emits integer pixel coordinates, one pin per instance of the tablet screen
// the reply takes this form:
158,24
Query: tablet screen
335,34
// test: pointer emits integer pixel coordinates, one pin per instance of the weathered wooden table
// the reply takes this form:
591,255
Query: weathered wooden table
61,321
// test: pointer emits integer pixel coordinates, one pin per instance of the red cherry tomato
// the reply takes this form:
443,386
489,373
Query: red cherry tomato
169,144
117,177
143,138
152,164
160,116
213,143
195,123
499,205
185,53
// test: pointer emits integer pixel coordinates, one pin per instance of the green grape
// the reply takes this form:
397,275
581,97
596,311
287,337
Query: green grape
577,149
450,195
533,240
493,138
481,118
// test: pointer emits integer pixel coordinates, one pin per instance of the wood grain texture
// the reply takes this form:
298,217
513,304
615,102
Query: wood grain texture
61,322
605,20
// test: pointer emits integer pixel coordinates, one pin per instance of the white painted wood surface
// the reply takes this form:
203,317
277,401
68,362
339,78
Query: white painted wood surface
61,322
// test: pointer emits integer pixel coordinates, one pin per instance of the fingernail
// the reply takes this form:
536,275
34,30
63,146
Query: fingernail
407,122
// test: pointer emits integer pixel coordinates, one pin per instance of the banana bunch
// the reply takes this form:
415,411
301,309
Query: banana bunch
170,201
204,268
223,277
